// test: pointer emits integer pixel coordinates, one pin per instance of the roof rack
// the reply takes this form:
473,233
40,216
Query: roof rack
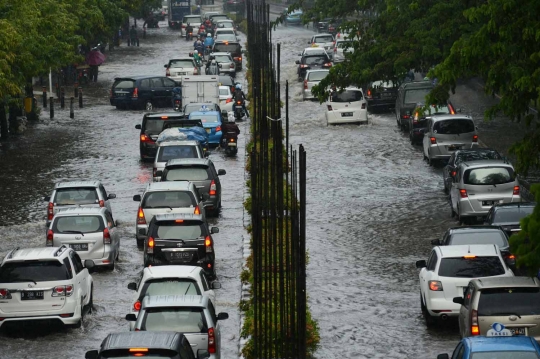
10,254
60,250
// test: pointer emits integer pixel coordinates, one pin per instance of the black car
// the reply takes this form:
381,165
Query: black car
322,26
409,94
471,154
418,120
153,124
232,47
312,62
142,92
508,215
146,344
381,95
180,239
478,235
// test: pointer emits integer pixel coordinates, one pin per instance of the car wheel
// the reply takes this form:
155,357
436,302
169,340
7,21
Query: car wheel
411,138
446,190
148,106
452,212
90,305
140,243
429,160
430,321
461,219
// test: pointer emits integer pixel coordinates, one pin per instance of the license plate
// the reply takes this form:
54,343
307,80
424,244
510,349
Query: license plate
453,147
517,331
238,107
386,94
120,94
346,114
231,144
32,295
181,256
488,203
180,73
208,130
79,247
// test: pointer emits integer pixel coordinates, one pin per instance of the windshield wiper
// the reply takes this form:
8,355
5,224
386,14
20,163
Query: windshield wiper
26,280
76,232
189,286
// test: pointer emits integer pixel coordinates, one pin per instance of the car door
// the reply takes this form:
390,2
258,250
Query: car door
424,272
81,276
113,232
427,135
168,86
158,91
145,90
464,311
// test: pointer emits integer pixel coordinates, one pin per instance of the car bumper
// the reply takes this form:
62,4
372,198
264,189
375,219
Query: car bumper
148,150
230,72
107,259
467,209
70,307
338,119
211,203
124,101
440,152
307,94
215,139
440,306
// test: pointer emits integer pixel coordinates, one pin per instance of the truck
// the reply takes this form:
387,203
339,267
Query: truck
177,10
200,89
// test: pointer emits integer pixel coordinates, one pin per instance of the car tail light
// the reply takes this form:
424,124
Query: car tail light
229,100
369,93
50,211
145,138
140,217
135,93
231,139
335,50
197,210
364,106
405,117
208,244
211,341
452,111
137,306
463,193
433,140
435,286
475,330
5,294
106,236
453,173
167,73
328,64
218,129
62,291
50,237
69,290
231,66
150,248
475,138
213,188
303,66
183,26
101,203
516,190
305,85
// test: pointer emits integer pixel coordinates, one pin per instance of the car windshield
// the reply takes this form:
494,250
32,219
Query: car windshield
37,271
80,195
524,301
317,75
205,118
170,286
168,199
315,60
323,39
491,237
124,84
436,110
187,174
192,20
344,44
177,151
505,354
84,224
176,319
416,95
222,58
224,92
347,96
187,230
465,156
474,267
181,63
453,127
490,176
511,215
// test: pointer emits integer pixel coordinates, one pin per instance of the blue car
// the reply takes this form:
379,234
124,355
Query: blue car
211,121
294,18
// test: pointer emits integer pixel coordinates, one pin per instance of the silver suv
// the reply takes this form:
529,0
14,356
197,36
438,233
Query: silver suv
478,185
169,150
512,301
164,198
77,193
225,62
91,232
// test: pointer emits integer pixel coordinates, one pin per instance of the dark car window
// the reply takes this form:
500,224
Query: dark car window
38,271
169,83
184,230
124,84
511,215
416,95
317,75
432,261
344,44
156,82
181,63
323,39
178,151
524,301
169,286
232,48
150,354
506,354
474,267
491,237
74,224
315,60
453,127
145,83
192,107
488,176
154,126
221,58
79,195
188,174
168,199
176,319
347,96
466,156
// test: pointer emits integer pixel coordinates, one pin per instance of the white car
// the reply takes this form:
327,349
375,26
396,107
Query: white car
195,21
225,98
326,41
448,271
348,106
45,284
313,77
342,47
180,67
171,280
224,31
315,50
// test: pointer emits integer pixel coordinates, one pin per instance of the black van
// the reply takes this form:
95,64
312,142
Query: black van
142,92
232,47
153,124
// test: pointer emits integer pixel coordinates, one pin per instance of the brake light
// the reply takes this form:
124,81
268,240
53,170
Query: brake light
435,286
218,129
213,188
50,211
516,190
62,291
238,102
145,138
453,173
303,66
197,210
231,66
328,64
106,236
231,139
150,248
135,92
463,193
137,306
405,117
138,350
452,111
5,294
305,85
228,100
475,330
208,244
211,341
167,72
475,138
469,257
329,107
433,140
102,203
50,236
369,93
179,221
511,256
140,217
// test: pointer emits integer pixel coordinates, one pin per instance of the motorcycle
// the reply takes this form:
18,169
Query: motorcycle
229,143
177,99
189,36
239,112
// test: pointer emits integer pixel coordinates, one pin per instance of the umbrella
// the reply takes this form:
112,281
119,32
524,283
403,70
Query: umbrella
95,57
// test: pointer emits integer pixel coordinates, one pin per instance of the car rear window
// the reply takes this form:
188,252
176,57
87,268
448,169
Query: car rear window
344,44
154,126
124,84
205,118
79,195
317,75
192,19
323,39
490,176
37,271
169,286
232,48
225,24
383,84
491,237
148,354
315,60
505,354
168,199
215,18
222,58
347,96
226,37
225,31
436,110
511,215
224,92
76,224
416,95
453,127
177,151
181,63
476,267
176,319
524,301
185,230
188,174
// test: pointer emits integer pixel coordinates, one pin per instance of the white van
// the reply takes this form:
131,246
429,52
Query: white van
347,106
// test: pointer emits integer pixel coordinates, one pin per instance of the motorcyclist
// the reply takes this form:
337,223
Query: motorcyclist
199,47
209,41
177,95
212,68
189,29
239,96
198,61
228,125
202,29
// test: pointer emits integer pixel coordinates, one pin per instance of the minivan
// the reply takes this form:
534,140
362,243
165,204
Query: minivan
409,94
349,106
142,92
170,150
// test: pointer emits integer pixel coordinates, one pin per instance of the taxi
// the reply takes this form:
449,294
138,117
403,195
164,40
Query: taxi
498,343
211,121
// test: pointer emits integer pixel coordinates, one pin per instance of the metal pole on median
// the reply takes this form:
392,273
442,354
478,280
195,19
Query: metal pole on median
51,110
80,98
44,96
50,80
62,99
71,111
76,90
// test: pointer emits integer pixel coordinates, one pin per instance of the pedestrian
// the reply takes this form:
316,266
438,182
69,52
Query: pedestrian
93,73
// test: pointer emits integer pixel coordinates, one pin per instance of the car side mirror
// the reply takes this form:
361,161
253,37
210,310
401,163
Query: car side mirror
458,300
89,264
421,264
137,198
165,66
203,354
215,285
47,198
111,196
220,66
435,242
131,317
214,230
91,354
132,286
221,172
443,356
138,127
159,173
297,62
206,153
222,316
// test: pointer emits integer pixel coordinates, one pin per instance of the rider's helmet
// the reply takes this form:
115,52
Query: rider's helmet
231,117
238,87
188,24
209,35
195,52
213,62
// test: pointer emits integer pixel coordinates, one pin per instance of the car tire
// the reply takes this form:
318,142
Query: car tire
452,212
430,321
90,305
81,319
148,105
140,243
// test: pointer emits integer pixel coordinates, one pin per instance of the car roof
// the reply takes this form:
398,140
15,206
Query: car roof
216,113
224,20
492,344
504,282
417,84
475,149
177,143
318,70
141,339
475,229
220,53
76,210
175,216
224,87
25,254
182,59
138,77
485,163
172,185
171,271
72,184
437,118
513,205
469,249
157,301
188,162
